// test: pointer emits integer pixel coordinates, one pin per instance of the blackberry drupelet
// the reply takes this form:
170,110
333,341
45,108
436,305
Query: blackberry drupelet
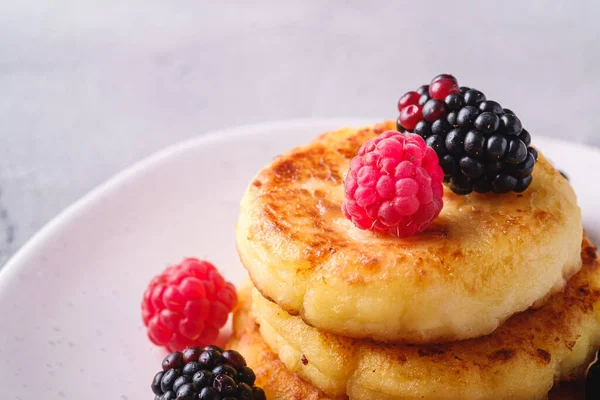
481,146
209,373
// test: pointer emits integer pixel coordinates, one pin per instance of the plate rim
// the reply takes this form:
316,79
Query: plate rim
123,176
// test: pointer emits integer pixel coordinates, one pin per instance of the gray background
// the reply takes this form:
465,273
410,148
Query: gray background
88,87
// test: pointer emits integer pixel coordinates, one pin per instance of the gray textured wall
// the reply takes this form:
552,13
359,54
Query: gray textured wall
88,87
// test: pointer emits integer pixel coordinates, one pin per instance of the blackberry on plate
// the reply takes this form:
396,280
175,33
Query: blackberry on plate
209,373
481,146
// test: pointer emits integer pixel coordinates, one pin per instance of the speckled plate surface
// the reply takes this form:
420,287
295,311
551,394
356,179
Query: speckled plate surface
70,298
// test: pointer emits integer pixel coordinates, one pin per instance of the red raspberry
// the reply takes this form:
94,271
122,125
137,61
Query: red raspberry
394,185
187,304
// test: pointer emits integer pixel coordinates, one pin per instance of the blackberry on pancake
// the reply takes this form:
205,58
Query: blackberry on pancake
482,147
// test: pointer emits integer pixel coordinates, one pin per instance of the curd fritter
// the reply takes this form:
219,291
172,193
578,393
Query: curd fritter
485,258
522,359
272,376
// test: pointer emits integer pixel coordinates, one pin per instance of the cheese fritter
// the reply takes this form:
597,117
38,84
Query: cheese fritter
521,360
485,258
277,381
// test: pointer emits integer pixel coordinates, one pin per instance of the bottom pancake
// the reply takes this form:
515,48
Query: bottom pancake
521,360
282,384
271,374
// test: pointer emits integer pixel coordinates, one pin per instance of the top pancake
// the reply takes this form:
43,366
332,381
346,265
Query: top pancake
483,259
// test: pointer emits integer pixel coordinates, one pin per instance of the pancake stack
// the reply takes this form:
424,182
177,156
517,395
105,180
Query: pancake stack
497,299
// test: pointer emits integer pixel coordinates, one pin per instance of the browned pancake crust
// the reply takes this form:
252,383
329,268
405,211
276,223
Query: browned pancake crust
277,382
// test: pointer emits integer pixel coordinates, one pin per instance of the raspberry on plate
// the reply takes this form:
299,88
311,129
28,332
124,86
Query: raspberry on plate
187,304
394,185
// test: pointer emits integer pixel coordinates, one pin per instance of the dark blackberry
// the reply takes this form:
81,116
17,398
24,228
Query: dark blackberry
451,118
482,184
434,109
481,146
225,385
187,391
423,89
503,183
493,167
423,129
210,358
449,165
440,127
245,391
487,122
455,141
399,126
166,383
246,375
234,358
203,378
225,369
510,124
517,151
460,184
208,393
470,167
454,101
182,380
436,142
206,374
523,184
525,137
466,116
216,348
491,106
170,395
474,97
474,143
258,393
424,99
191,368
173,360
156,383
496,146
192,354
533,152
524,169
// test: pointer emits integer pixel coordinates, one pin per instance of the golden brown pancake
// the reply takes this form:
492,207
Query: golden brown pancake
485,258
278,382
282,384
522,359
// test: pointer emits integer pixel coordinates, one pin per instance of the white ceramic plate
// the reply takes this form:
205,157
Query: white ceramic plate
70,298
